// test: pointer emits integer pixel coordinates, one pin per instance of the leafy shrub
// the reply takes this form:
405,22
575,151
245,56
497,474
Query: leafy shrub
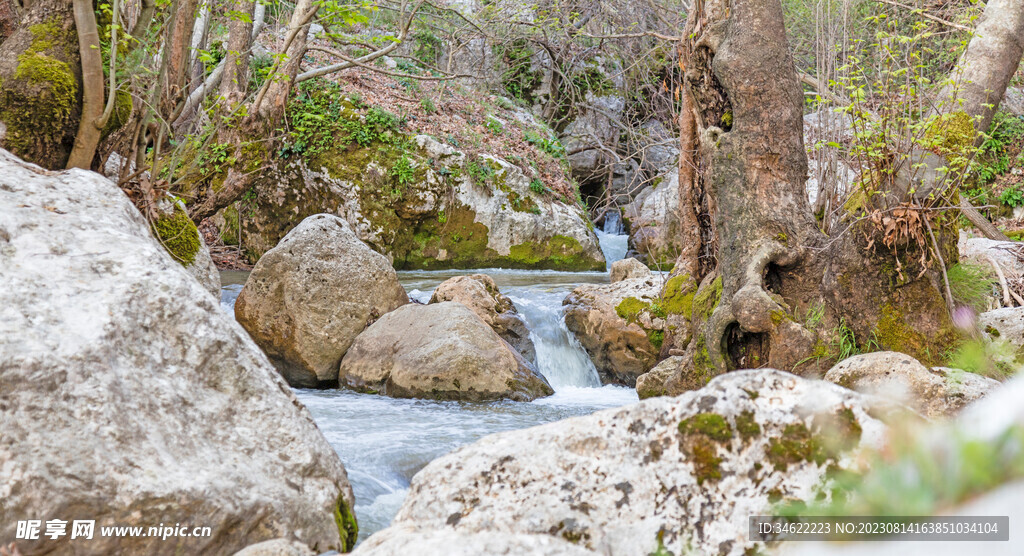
1012,197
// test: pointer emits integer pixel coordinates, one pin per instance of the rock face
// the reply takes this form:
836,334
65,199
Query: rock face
180,237
937,392
130,398
689,469
445,542
455,211
594,128
654,224
481,295
308,298
615,327
628,269
439,351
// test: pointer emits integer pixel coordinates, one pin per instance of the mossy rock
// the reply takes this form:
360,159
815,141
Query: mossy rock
179,236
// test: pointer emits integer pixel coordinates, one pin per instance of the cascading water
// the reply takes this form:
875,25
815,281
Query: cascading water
614,243
384,441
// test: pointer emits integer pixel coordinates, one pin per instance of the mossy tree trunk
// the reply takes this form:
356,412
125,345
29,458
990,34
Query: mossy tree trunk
41,85
787,291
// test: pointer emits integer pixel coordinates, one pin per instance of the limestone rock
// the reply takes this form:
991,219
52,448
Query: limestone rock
130,398
438,351
613,323
665,379
276,547
693,467
628,269
307,299
459,211
655,229
938,392
179,235
594,128
446,542
481,295
1005,324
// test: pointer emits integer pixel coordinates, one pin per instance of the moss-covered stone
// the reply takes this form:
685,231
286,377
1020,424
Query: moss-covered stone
700,439
348,527
795,445
746,425
179,235
677,296
630,308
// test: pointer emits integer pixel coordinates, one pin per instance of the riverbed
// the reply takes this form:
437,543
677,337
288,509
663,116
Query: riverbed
384,441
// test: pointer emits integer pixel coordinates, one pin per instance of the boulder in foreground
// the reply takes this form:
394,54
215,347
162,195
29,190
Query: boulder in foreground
440,351
128,397
688,470
308,298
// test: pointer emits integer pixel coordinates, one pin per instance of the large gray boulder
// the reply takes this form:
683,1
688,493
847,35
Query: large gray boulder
447,542
689,470
628,269
438,351
482,296
128,397
308,298
937,392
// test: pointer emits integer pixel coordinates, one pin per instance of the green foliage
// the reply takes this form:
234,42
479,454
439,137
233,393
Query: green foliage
479,170
550,145
494,125
427,46
259,70
403,172
427,105
322,119
518,78
994,359
1012,197
215,158
918,476
536,186
971,285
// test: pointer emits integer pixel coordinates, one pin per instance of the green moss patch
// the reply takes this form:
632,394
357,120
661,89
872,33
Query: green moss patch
700,439
348,527
179,236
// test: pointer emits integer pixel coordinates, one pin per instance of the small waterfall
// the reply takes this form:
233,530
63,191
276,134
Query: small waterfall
614,243
560,357
612,223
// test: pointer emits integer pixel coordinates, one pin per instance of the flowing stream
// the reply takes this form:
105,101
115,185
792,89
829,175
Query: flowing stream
384,442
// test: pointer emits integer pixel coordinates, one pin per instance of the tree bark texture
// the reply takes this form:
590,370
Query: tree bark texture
781,292
41,85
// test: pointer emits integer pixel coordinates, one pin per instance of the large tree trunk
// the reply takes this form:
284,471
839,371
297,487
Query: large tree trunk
40,85
774,267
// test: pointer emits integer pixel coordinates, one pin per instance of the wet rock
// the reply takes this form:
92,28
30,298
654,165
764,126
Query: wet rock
439,351
615,325
937,392
689,469
446,542
481,295
627,269
307,299
130,398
